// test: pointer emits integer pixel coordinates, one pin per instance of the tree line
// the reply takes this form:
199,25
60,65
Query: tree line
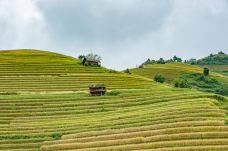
219,58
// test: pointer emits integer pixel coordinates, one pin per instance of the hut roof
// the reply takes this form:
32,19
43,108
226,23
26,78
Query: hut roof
92,60
96,85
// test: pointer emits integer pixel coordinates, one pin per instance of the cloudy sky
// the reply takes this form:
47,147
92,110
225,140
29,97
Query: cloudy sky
123,32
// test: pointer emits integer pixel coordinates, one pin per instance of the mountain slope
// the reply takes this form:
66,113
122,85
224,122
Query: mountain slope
216,62
174,71
221,69
33,70
214,59
169,70
143,115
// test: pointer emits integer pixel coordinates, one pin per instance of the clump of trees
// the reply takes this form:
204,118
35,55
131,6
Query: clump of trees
201,82
161,61
94,57
181,83
177,59
159,78
213,59
127,71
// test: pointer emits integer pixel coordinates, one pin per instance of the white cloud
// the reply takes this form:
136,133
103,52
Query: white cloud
123,32
21,24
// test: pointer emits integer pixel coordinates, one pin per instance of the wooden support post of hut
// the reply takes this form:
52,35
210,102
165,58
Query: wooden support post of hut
97,89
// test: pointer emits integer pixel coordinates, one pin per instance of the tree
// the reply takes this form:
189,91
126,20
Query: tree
141,66
168,61
81,57
206,71
221,53
177,59
161,61
147,61
159,78
127,71
192,61
181,83
94,57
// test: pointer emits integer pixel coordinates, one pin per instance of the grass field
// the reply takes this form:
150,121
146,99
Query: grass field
44,105
174,70
222,69
169,70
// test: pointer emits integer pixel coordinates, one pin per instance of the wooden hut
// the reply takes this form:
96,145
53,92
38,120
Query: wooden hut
90,62
97,89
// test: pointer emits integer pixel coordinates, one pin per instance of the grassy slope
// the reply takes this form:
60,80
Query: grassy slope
145,115
30,71
222,69
169,70
173,70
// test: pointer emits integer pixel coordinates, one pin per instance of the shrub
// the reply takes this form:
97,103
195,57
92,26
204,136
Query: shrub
56,135
206,71
161,61
113,93
81,57
141,66
8,93
112,71
159,78
127,71
181,83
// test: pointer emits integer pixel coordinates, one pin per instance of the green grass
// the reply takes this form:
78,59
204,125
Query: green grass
173,71
169,70
222,69
45,105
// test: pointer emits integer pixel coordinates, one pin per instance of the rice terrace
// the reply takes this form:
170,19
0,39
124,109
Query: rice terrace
46,106
113,75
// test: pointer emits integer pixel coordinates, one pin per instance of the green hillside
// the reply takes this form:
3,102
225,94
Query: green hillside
215,82
45,105
35,71
216,62
214,59
169,70
221,69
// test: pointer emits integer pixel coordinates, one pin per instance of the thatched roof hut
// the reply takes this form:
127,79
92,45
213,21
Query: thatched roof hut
91,62
97,89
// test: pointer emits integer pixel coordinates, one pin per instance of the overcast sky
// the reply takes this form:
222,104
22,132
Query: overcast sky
123,32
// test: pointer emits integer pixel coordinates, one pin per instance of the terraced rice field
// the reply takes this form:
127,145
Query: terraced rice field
50,110
169,70
222,69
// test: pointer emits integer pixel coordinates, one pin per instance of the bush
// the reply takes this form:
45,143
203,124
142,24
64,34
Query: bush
161,61
8,93
113,93
141,66
56,135
206,71
181,83
159,78
127,71
111,71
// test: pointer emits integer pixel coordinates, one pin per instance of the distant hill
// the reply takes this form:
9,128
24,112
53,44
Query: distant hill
214,59
216,82
169,70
